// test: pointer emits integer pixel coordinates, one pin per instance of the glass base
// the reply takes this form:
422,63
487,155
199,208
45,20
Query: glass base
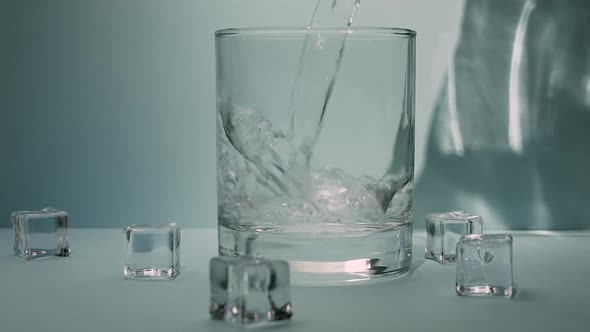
491,291
321,256
150,273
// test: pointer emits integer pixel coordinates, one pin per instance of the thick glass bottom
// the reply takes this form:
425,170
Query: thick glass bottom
329,253
488,290
150,273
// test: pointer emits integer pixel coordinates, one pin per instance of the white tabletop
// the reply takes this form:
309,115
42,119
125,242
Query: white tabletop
87,292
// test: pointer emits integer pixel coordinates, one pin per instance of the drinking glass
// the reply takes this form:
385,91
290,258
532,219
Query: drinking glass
315,149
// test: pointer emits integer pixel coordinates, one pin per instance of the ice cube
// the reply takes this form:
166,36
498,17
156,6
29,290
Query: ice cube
285,210
484,265
249,290
152,252
444,231
39,234
345,197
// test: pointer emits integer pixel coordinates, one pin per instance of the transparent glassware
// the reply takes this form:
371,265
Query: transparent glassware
315,149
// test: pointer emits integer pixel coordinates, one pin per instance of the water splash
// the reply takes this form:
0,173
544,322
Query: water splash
255,154
318,67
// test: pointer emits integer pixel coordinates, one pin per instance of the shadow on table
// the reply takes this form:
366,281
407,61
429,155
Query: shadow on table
509,139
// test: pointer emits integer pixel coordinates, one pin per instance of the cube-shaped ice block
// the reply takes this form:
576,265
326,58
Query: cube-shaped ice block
484,265
152,252
249,290
445,229
39,234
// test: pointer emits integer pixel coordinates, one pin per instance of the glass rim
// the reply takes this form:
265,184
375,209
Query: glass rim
301,31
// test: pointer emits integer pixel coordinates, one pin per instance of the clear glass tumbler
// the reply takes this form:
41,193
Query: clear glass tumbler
315,149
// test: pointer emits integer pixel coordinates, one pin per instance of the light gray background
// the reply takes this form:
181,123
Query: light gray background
108,106
107,110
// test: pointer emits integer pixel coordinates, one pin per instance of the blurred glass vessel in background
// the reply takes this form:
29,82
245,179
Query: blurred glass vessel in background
509,136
